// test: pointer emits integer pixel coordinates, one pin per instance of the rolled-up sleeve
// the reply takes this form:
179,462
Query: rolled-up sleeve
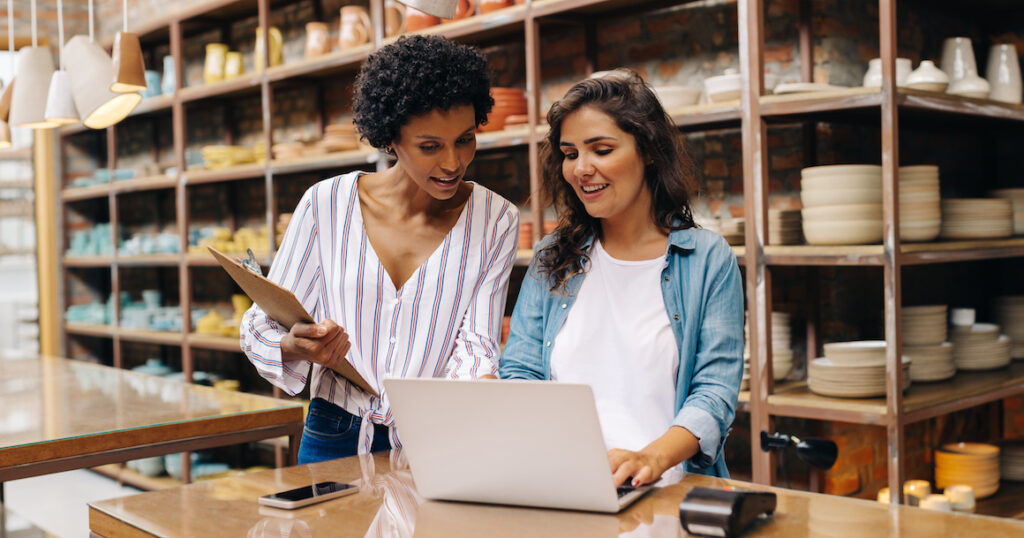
524,352
476,344
710,407
296,268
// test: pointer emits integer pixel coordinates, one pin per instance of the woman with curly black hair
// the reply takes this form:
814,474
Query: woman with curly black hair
406,270
627,295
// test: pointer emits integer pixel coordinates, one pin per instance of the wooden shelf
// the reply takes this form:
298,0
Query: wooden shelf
555,8
16,154
824,255
231,173
478,27
74,194
218,343
341,159
135,479
153,104
159,260
518,135
144,184
17,184
88,261
150,337
321,65
247,83
707,116
1007,502
89,329
921,401
912,253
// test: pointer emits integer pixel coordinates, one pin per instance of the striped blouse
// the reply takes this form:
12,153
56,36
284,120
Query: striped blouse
444,321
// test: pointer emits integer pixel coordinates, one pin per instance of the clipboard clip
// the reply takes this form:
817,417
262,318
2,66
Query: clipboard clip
251,264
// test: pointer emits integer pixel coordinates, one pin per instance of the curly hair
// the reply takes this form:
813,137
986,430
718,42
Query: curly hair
669,174
413,76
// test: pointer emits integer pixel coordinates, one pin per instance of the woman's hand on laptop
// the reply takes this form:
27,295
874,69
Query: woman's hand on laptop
648,464
324,343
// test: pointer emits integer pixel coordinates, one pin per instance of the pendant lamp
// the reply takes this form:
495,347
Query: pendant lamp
60,104
28,100
5,97
90,71
129,68
444,9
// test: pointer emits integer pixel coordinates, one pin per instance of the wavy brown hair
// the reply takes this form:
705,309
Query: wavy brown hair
669,175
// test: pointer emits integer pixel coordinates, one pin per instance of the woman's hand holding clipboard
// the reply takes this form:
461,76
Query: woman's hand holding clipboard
282,306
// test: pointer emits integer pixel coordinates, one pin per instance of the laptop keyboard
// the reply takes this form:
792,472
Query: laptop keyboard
622,491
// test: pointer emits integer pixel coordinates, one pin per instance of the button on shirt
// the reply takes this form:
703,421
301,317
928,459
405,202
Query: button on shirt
443,322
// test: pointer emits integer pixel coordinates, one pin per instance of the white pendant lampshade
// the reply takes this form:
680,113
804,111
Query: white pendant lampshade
444,9
91,70
60,104
28,102
5,135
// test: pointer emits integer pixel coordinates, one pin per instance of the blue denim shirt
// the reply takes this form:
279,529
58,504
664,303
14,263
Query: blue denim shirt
704,300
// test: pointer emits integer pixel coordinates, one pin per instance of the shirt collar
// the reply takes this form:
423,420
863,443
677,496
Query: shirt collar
682,239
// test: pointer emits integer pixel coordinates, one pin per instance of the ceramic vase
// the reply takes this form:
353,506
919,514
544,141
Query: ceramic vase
317,39
958,59
394,18
213,67
1003,73
928,77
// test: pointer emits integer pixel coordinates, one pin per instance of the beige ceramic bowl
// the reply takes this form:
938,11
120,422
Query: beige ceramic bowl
850,232
836,213
841,169
856,353
677,96
849,181
827,197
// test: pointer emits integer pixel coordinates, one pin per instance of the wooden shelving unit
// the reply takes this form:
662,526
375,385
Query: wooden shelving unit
752,115
130,477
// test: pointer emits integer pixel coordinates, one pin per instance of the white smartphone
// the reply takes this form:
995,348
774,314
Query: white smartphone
307,495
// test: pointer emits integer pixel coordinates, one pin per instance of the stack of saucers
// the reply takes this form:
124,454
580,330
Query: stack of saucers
732,231
1016,198
920,212
852,370
976,218
782,352
980,347
924,341
1011,460
1010,313
972,464
784,227
842,204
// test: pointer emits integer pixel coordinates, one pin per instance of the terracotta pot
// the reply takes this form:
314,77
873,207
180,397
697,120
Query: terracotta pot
394,18
418,20
355,27
465,8
487,6
317,39
525,234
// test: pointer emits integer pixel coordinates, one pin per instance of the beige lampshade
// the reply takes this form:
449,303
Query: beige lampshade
129,68
5,101
28,101
91,71
60,104
5,135
444,9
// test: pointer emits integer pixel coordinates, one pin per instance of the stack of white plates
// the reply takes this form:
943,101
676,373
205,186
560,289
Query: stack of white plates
931,362
782,353
980,347
852,370
784,227
842,204
972,464
976,218
1011,460
920,213
1016,198
1010,313
924,325
732,231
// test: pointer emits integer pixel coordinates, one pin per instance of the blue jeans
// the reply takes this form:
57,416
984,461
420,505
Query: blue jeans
332,433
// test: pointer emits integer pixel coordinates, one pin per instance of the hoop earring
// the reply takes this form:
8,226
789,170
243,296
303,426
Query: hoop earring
390,150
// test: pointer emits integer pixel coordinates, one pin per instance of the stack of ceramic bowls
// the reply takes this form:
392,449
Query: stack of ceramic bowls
507,102
784,227
976,218
842,204
1016,198
1010,313
852,370
1011,460
782,352
920,212
971,464
980,347
924,341
732,231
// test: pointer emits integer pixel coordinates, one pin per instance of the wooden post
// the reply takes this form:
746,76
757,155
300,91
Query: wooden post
47,256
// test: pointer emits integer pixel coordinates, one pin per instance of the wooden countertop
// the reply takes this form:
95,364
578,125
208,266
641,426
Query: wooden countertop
389,505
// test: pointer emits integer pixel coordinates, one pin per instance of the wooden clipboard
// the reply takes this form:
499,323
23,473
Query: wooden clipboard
281,305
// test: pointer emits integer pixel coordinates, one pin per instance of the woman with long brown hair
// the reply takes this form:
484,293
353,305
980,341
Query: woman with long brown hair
628,295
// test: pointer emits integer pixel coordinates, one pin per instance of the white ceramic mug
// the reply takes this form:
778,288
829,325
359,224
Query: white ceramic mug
961,497
1003,73
938,503
961,317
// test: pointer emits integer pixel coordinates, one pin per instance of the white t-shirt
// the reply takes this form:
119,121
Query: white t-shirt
618,340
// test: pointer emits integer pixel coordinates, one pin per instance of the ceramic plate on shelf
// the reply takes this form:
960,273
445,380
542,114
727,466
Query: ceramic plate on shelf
805,87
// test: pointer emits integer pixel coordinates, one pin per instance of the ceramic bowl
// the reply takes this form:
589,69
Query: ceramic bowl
850,232
725,87
828,197
841,169
864,181
677,96
856,353
835,213
972,86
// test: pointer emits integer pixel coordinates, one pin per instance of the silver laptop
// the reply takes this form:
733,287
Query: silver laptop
525,443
